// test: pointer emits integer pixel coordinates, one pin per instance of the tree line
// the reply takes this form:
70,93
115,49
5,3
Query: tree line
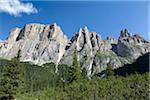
26,81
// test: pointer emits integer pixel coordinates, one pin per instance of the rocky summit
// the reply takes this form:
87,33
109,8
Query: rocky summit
38,43
42,44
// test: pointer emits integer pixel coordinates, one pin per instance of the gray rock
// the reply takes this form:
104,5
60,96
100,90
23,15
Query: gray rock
131,47
88,44
42,44
111,40
38,43
103,58
95,54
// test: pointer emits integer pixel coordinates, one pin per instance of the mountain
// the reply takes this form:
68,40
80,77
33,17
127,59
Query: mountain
42,44
93,53
38,43
132,46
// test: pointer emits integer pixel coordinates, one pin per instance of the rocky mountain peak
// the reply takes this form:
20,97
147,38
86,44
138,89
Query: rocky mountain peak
40,32
85,29
111,40
39,43
124,34
87,44
138,39
87,38
13,34
31,31
132,46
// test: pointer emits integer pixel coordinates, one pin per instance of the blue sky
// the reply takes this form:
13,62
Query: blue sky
105,18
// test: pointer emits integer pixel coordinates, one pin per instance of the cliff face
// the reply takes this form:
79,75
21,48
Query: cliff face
38,43
47,43
93,53
130,46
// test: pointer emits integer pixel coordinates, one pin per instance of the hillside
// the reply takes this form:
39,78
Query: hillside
39,62
43,83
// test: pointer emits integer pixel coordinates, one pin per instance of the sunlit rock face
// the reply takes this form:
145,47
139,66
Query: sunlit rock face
130,46
38,43
41,44
95,54
89,45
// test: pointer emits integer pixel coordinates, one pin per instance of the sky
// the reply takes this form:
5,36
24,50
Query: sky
105,18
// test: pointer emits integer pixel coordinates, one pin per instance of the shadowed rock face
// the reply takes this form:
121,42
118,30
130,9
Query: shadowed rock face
41,44
38,43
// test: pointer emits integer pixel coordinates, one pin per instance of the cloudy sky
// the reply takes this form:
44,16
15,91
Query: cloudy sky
105,18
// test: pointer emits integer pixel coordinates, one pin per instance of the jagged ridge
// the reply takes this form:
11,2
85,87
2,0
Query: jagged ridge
41,44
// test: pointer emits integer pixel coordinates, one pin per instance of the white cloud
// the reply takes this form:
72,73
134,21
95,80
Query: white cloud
16,8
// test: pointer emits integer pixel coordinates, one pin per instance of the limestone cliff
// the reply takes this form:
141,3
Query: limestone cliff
41,44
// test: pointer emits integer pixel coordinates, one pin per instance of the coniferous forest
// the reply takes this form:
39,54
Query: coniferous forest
25,81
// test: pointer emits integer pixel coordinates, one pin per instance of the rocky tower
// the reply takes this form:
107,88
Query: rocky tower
88,45
38,43
131,47
46,43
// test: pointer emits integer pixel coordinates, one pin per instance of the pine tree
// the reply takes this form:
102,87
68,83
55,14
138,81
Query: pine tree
109,70
74,71
12,79
76,65
17,57
83,76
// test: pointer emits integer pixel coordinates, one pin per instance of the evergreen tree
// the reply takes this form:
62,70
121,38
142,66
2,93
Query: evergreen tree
12,80
74,71
109,70
83,76
84,73
17,57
